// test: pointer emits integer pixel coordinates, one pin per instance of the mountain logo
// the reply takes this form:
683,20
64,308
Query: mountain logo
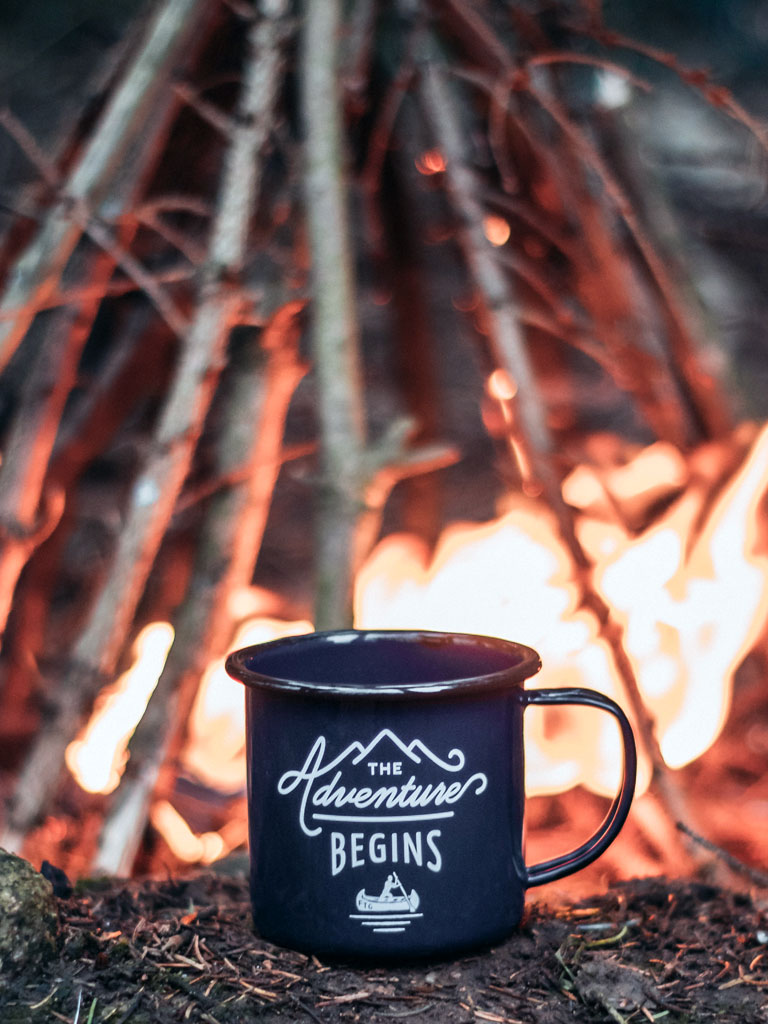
386,758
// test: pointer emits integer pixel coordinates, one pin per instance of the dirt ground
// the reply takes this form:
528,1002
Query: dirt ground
184,950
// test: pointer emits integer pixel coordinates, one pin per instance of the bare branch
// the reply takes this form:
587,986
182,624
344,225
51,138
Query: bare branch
334,321
249,447
156,490
37,272
533,435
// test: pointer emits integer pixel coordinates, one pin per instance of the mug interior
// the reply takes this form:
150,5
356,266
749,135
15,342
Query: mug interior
374,660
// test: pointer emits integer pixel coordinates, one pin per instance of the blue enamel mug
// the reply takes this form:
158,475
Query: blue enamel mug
386,790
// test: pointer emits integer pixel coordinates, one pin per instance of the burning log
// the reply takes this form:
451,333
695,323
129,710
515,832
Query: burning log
532,437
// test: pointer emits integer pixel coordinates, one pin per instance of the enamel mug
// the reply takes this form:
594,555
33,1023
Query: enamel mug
386,790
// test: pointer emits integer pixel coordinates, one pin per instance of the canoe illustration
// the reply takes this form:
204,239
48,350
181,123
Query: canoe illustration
393,899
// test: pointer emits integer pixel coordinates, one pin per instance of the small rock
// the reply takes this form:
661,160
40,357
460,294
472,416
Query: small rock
28,914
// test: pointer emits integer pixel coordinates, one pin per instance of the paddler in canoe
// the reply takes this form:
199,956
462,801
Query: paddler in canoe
389,900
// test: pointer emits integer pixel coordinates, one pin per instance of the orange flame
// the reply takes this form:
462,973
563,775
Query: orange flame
692,613
690,616
186,844
691,592
430,162
496,229
97,757
215,750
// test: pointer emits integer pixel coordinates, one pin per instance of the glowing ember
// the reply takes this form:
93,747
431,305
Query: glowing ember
501,386
496,229
215,751
692,593
97,757
182,841
430,162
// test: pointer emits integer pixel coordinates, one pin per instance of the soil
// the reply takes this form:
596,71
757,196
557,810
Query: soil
184,950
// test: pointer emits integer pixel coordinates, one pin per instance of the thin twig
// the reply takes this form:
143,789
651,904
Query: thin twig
681,363
485,47
99,233
754,874
113,289
501,305
207,111
533,433
396,466
30,442
131,1007
693,385
37,420
544,59
357,50
701,81
381,132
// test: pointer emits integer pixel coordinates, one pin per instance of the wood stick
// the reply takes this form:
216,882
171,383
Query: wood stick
755,875
533,432
693,385
628,316
37,421
23,483
180,423
226,553
335,340
37,272
509,345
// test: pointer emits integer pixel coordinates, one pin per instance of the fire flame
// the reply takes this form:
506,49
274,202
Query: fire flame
97,757
215,749
214,753
430,162
693,606
496,229
691,592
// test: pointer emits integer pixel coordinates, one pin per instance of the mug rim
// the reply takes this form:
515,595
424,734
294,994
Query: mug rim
527,665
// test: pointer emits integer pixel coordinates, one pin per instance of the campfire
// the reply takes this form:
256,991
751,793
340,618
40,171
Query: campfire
531,441
691,591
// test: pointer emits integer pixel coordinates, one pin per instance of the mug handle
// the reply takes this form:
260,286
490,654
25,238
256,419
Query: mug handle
567,863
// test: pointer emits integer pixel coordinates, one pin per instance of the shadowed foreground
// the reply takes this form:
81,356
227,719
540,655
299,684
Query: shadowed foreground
184,951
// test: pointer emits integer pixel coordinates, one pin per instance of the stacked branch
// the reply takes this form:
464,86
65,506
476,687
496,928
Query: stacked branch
248,456
532,436
220,305
37,272
32,488
581,271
